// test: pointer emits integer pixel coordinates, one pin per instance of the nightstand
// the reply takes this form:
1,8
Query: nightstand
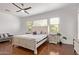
53,38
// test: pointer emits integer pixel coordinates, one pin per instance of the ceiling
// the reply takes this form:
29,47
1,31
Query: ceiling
37,8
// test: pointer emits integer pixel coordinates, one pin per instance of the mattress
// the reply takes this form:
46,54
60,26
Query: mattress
37,38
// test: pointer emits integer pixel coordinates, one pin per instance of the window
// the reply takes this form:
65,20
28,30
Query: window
54,25
40,22
29,25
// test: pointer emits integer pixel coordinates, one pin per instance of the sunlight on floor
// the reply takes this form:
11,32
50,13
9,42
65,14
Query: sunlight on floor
53,53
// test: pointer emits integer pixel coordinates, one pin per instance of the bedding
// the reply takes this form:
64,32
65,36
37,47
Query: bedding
31,36
29,41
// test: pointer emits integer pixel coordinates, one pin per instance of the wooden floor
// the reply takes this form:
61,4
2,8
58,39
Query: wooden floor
45,49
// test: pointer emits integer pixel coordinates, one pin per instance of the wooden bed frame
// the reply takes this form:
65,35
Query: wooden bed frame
28,43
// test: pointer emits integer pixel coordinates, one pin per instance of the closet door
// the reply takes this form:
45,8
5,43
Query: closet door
76,41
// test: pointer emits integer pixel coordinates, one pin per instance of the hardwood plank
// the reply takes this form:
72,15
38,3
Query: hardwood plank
45,49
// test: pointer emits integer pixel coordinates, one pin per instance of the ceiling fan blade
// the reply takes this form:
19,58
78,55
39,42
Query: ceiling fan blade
22,4
17,6
26,12
18,11
27,8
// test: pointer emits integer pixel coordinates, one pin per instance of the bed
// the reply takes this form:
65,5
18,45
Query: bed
29,41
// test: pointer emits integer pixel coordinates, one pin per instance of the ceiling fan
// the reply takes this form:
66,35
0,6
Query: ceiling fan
22,8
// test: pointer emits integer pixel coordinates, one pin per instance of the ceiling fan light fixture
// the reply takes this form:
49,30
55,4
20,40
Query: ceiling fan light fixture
22,11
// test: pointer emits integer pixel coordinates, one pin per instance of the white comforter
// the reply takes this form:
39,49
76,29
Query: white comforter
31,36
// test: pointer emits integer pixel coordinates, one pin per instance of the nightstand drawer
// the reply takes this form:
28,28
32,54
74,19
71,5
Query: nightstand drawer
53,39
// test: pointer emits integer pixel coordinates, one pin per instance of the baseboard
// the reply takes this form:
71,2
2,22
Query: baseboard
68,43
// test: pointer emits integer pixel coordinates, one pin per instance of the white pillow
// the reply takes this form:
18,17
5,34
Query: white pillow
2,36
6,35
38,32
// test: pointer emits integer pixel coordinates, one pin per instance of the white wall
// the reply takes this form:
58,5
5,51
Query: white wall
9,24
68,21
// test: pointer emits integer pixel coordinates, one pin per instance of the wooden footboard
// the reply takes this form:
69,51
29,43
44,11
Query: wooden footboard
27,43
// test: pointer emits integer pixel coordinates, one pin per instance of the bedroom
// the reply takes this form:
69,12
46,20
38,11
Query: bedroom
44,20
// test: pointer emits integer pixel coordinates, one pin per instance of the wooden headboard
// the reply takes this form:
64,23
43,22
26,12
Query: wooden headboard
43,29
